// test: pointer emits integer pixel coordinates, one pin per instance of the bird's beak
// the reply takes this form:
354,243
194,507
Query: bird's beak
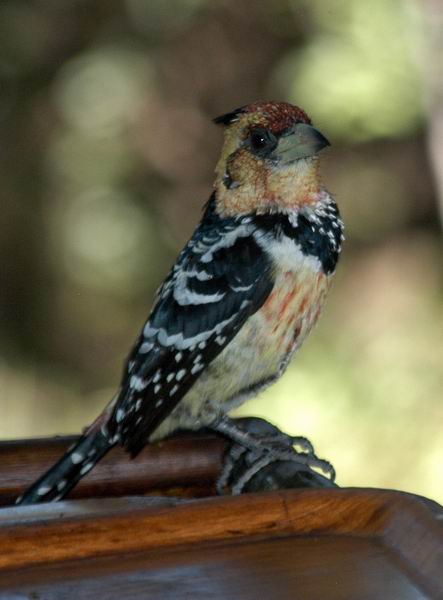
301,141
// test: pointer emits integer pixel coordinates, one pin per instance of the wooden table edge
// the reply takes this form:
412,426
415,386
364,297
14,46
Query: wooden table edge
396,519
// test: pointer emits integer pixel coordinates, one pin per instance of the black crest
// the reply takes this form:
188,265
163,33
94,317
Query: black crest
229,117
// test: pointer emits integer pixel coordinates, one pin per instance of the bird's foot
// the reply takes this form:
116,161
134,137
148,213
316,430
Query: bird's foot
261,457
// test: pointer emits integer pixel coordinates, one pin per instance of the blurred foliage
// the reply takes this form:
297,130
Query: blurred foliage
362,56
107,156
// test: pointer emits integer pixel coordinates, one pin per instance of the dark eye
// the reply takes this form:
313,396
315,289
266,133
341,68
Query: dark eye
262,142
258,140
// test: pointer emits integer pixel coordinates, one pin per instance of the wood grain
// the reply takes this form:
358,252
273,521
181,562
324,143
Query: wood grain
310,544
293,568
101,530
187,465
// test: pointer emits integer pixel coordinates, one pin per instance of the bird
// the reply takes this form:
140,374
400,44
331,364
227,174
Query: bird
241,298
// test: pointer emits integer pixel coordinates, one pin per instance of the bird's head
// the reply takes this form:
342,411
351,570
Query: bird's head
269,159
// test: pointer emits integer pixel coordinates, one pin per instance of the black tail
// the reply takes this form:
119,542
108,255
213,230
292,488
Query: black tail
66,472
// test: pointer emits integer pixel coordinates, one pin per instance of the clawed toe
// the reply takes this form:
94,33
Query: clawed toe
261,457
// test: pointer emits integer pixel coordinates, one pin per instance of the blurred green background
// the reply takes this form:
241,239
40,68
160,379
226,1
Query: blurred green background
106,158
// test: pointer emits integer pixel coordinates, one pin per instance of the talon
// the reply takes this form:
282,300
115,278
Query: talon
263,457
303,443
231,458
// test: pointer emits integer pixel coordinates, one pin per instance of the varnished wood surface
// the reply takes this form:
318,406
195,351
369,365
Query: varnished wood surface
307,544
314,568
332,543
187,466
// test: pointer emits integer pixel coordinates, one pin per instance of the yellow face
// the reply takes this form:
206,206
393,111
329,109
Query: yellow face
268,162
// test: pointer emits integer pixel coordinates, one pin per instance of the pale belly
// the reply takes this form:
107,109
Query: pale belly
258,355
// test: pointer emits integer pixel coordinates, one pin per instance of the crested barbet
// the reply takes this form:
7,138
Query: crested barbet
240,300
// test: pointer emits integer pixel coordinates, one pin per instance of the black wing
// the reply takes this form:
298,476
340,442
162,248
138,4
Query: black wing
221,278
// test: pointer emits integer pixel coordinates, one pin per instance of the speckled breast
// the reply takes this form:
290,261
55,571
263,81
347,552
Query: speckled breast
278,329
263,347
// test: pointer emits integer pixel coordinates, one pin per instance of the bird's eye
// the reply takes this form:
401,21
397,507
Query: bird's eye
262,142
258,140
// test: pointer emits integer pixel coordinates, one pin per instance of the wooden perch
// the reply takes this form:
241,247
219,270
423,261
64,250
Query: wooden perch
186,465
183,466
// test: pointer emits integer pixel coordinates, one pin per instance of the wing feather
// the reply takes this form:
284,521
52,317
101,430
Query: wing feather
220,279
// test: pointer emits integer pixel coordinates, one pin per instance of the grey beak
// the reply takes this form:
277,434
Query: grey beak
302,141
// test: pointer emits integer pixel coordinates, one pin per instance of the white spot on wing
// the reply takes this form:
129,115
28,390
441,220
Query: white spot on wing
196,368
77,458
241,288
149,331
87,467
184,296
146,347
200,275
181,374
137,383
226,241
163,337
